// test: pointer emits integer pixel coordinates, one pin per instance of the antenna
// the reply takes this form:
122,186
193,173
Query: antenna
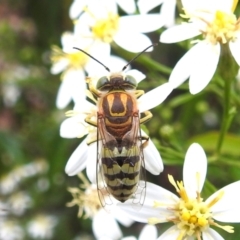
153,45
93,58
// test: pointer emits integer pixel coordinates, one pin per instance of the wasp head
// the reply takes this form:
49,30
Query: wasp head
116,82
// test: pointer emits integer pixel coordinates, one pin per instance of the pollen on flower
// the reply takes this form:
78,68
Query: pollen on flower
75,60
223,29
87,200
105,29
190,215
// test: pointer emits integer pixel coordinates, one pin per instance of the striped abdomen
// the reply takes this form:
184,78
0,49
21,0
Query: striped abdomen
121,172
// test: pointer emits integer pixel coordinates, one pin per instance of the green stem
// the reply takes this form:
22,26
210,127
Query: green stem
225,121
227,70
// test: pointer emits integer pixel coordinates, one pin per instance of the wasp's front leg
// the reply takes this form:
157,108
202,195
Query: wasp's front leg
139,93
89,120
145,143
92,88
147,116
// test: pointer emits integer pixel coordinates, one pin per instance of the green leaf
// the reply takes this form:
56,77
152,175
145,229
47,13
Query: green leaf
209,140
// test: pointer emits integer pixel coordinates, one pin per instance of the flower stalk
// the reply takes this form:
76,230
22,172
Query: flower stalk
228,71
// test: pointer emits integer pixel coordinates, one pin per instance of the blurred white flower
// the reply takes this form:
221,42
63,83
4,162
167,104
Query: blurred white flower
19,202
10,181
192,217
75,65
42,226
78,6
10,230
168,9
102,24
215,22
11,93
104,223
84,155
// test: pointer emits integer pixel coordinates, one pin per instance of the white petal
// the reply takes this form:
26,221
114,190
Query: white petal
179,33
76,8
212,6
148,232
141,23
91,162
116,64
83,107
211,234
100,9
227,209
132,42
104,225
121,216
205,65
127,5
171,234
59,66
194,169
128,238
78,160
72,128
139,76
145,6
234,47
153,193
184,66
154,97
73,87
168,12
152,159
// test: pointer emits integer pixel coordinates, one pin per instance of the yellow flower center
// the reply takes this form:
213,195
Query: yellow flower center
223,28
191,216
87,200
105,29
76,60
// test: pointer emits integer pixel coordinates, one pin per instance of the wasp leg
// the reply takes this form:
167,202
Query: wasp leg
139,93
145,143
91,141
148,115
92,89
90,121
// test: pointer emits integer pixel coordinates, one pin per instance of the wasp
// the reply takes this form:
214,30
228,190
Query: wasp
120,159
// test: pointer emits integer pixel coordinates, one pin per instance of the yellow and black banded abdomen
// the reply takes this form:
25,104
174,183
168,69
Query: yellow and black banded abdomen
118,108
121,173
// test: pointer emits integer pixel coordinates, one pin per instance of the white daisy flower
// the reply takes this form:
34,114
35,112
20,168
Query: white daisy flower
102,24
104,224
42,226
168,9
73,64
191,215
75,126
215,21
78,6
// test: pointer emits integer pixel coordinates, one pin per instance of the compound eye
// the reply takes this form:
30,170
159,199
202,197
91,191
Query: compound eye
102,83
131,82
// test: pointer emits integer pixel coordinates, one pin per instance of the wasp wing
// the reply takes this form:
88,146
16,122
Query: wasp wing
103,152
136,161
